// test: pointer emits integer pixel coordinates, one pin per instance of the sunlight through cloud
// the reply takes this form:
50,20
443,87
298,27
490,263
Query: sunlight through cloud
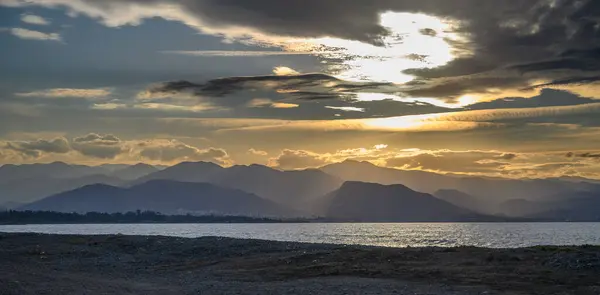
415,41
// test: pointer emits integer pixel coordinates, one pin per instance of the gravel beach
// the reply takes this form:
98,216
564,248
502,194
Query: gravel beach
54,264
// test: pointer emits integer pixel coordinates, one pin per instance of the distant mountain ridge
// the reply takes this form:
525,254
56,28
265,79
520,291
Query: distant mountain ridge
371,202
314,192
164,196
134,171
498,190
11,172
285,187
31,182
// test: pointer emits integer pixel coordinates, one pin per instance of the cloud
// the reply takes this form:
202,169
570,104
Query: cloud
98,146
302,159
263,22
235,53
161,106
34,35
298,159
109,106
34,149
284,105
174,150
473,163
154,150
259,103
449,161
285,71
109,148
507,43
589,155
301,86
547,98
34,19
507,156
257,152
346,109
265,102
68,92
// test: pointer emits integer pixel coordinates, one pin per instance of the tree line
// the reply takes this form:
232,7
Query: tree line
47,217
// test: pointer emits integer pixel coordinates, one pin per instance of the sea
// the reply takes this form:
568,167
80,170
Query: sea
491,235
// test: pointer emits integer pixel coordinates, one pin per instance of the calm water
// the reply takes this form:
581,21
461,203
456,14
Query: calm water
397,235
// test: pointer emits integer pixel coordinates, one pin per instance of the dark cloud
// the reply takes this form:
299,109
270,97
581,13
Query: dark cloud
568,81
547,98
236,94
589,155
428,32
96,138
306,86
536,38
451,88
583,155
35,149
553,40
508,156
560,64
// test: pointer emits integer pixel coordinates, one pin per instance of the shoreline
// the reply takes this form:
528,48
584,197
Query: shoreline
290,222
122,264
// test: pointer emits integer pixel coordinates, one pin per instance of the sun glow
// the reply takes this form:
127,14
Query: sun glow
415,41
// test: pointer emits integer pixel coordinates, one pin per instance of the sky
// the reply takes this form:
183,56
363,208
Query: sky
502,88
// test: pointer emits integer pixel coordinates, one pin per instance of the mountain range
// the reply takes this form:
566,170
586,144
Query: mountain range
164,196
495,190
290,188
389,203
348,190
29,183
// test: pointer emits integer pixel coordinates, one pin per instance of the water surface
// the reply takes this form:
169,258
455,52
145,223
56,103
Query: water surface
495,235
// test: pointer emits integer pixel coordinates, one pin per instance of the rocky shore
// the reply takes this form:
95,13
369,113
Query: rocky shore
53,264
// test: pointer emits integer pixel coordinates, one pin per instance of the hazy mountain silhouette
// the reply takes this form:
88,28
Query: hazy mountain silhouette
578,207
582,206
113,167
496,190
185,171
313,191
32,189
11,172
162,196
373,202
134,172
522,207
31,182
466,201
286,187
